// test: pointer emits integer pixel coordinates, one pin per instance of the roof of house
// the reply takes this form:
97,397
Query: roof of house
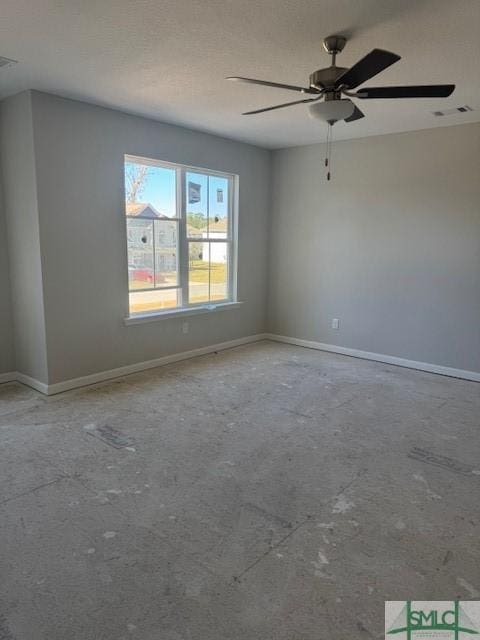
143,210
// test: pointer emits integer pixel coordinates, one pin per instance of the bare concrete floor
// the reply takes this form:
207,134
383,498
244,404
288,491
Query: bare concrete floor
267,492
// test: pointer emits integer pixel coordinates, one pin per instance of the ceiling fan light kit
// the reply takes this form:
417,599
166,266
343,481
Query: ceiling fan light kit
332,110
327,86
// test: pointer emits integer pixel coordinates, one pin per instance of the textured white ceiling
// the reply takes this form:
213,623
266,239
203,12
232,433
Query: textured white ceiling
167,59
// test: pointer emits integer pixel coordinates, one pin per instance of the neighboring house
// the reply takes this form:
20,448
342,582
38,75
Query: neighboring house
150,232
142,210
215,251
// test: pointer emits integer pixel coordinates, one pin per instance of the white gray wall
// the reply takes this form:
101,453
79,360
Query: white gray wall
7,356
21,213
391,246
79,152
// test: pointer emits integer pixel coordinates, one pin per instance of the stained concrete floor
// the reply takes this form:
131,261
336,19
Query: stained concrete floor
266,492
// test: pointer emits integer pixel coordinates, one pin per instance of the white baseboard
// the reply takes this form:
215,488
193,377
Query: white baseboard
94,378
9,376
379,357
32,382
101,376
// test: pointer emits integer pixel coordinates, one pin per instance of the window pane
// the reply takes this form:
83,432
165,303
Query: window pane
198,273
140,253
218,198
196,203
150,191
166,264
152,236
155,300
218,270
208,271
207,204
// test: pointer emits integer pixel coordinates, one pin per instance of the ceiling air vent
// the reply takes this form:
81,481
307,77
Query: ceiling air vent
6,62
451,112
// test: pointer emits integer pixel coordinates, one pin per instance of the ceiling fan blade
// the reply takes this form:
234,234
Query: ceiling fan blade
279,106
374,62
356,115
276,85
426,91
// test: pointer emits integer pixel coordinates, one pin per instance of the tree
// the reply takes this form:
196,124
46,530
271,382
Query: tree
135,180
197,220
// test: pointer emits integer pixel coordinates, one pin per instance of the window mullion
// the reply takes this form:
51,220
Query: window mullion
154,256
233,237
183,243
209,244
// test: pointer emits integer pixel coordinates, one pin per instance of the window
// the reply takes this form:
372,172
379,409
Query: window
180,236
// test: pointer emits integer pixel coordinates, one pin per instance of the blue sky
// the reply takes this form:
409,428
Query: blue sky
160,192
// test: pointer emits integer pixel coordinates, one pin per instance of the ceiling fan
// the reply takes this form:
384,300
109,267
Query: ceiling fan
334,82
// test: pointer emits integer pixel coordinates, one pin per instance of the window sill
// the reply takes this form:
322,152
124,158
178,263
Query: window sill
140,318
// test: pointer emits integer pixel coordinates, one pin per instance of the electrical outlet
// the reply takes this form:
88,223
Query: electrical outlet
335,323
185,327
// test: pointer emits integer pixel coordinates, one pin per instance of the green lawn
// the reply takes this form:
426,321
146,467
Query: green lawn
199,272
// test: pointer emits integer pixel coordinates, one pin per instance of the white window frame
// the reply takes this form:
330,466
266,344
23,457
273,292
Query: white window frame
184,307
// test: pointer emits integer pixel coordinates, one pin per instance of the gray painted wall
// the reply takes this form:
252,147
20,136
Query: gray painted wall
79,151
391,246
7,356
20,204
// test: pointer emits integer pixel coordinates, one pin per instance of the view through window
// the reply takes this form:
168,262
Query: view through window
179,235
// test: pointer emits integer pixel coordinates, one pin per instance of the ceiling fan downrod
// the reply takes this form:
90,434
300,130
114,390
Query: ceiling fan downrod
328,155
334,45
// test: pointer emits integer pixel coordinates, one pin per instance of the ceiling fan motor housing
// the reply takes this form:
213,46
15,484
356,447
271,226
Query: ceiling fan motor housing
325,78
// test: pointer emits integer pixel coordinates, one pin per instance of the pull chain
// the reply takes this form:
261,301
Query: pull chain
328,158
